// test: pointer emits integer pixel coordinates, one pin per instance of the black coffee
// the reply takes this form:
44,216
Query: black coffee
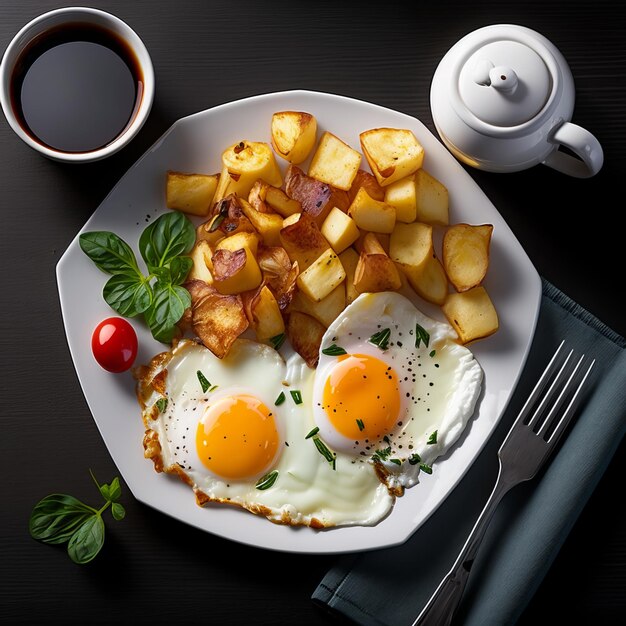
76,88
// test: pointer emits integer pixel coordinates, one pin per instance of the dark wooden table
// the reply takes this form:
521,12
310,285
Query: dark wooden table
154,568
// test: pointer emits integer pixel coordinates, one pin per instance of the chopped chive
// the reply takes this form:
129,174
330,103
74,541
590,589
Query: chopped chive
297,396
396,461
204,383
421,335
213,388
360,424
415,458
313,432
161,404
381,338
432,439
432,353
382,455
280,399
325,452
277,341
334,350
426,468
265,482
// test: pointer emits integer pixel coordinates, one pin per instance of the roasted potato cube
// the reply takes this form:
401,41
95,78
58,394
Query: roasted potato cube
322,276
375,271
350,259
293,134
369,182
217,319
305,335
401,195
239,240
431,199
267,320
410,246
335,162
466,254
326,310
431,281
235,272
268,225
382,238
302,240
471,313
190,193
243,164
278,200
392,153
340,230
201,255
372,215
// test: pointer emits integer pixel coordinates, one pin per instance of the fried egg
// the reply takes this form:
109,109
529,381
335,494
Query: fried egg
241,430
393,387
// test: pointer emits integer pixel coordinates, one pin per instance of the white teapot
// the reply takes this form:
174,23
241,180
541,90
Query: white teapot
502,99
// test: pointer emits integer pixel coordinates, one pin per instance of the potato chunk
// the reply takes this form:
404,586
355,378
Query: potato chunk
190,193
350,259
268,225
278,200
340,230
303,240
235,272
471,313
201,255
367,180
305,335
238,241
322,276
431,199
431,282
326,310
401,195
410,246
372,215
293,134
375,271
466,254
267,320
392,153
334,162
243,164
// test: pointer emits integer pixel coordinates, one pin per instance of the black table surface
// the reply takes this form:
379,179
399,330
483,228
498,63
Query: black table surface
154,568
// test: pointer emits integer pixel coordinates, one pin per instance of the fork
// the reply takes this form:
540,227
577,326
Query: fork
533,436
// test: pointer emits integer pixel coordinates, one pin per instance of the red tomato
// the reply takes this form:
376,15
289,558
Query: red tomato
114,344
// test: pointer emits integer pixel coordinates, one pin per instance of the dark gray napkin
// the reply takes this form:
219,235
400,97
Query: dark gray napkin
391,586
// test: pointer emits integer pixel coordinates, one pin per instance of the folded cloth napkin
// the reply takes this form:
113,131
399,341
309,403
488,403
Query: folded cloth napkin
391,586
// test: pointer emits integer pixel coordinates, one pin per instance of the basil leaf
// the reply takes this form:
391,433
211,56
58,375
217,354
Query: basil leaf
109,252
104,491
115,490
118,511
54,519
128,295
179,268
167,237
87,541
168,306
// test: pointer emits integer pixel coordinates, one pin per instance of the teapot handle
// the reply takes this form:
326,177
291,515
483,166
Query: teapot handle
582,143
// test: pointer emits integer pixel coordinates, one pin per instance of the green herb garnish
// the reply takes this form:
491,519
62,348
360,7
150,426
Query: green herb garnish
432,439
161,404
280,399
381,338
415,458
325,452
159,296
59,518
426,468
220,217
313,432
265,482
297,396
432,353
396,461
334,350
382,455
360,424
277,341
213,388
204,383
421,335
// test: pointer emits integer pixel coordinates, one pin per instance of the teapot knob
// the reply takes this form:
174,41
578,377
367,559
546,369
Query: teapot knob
503,78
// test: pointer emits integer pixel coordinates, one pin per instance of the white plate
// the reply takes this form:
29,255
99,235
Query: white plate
194,144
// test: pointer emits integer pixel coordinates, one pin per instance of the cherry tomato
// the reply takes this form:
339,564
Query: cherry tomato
114,344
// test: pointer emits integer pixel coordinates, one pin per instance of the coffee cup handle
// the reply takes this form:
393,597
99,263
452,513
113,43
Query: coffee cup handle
583,144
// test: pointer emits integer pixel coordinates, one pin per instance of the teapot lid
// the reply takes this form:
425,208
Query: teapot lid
503,76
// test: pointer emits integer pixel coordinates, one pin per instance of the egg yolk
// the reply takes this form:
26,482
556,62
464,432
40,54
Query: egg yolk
362,397
237,437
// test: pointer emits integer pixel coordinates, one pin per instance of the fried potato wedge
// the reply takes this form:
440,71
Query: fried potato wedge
293,134
431,199
430,281
410,246
217,319
305,335
466,254
375,271
392,153
190,193
471,313
264,315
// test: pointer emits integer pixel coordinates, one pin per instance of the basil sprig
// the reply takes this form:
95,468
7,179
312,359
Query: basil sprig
159,296
59,518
